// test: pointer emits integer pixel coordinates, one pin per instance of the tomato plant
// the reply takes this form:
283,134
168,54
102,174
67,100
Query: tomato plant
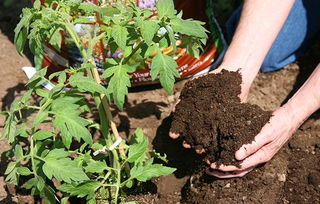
51,137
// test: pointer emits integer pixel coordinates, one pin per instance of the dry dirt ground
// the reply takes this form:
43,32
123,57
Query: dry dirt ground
293,176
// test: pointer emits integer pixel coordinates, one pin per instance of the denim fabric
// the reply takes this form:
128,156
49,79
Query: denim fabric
301,26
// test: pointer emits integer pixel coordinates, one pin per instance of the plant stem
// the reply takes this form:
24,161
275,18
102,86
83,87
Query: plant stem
106,106
118,185
32,156
133,52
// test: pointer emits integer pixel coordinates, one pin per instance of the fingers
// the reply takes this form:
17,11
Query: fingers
174,135
261,156
186,145
224,167
248,149
225,175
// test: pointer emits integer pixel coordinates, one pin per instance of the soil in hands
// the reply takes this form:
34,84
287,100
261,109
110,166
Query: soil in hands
210,116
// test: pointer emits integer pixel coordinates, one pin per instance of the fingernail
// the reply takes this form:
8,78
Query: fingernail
241,154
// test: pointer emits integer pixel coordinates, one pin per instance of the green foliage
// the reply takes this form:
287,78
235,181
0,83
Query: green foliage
50,133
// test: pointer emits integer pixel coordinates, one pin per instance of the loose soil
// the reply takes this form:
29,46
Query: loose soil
292,176
211,117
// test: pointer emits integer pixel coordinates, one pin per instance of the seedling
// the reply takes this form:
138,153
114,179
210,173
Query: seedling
52,136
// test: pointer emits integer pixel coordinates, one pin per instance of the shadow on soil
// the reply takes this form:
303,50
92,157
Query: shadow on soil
11,95
185,160
10,17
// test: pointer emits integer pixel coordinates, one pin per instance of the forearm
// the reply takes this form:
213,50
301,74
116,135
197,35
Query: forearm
306,100
259,25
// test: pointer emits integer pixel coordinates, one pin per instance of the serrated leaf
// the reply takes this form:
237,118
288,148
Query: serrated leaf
49,194
172,38
9,129
18,152
64,200
87,84
96,166
40,118
189,27
165,8
26,96
81,190
118,83
21,30
37,4
56,39
137,152
89,7
148,29
57,154
10,167
68,121
64,170
147,172
24,171
42,93
157,155
30,183
43,134
120,35
165,66
12,176
40,183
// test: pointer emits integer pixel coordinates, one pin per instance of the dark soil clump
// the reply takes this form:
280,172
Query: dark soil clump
210,116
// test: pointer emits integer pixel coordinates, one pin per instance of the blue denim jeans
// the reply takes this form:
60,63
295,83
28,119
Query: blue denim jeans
300,28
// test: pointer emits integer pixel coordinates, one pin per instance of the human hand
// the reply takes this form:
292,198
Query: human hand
265,145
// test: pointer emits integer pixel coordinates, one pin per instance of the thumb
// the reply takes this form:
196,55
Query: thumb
259,141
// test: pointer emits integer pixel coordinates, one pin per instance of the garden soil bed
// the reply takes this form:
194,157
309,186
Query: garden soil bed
292,176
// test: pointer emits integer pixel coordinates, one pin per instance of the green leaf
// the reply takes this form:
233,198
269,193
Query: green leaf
139,149
24,171
189,27
64,170
56,39
18,152
96,166
64,200
49,194
148,30
172,38
40,118
81,190
119,82
165,66
87,84
10,168
57,154
89,7
40,183
43,134
21,30
37,4
42,93
30,183
157,155
68,121
165,8
149,171
120,35
12,174
9,129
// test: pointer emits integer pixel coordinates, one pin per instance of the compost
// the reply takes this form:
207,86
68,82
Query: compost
210,116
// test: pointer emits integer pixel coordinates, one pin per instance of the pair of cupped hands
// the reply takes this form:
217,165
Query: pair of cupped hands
265,145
